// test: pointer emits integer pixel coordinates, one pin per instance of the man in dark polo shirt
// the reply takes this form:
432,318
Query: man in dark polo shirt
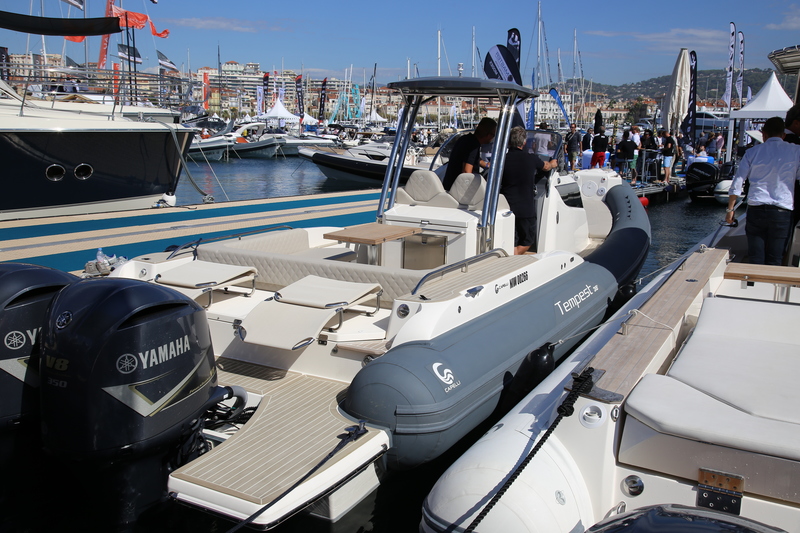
466,154
519,186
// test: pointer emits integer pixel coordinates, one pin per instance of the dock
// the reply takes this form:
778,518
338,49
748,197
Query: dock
68,242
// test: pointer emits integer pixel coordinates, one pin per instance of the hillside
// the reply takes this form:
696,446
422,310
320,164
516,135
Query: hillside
711,84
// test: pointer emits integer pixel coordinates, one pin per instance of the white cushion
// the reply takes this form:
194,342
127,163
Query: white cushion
469,190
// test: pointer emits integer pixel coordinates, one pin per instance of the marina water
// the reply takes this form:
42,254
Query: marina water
396,506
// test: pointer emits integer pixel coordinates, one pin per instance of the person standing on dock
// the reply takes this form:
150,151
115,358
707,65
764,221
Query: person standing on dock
519,188
465,156
599,147
668,151
573,140
772,168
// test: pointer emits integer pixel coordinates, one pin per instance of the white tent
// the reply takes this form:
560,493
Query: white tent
375,117
770,101
279,112
677,98
308,120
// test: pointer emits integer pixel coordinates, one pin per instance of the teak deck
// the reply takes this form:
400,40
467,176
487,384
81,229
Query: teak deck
296,425
626,358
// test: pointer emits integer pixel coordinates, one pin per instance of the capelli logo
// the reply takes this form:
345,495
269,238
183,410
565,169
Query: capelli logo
446,377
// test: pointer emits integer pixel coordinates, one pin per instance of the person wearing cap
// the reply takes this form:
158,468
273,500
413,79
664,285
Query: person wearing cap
773,169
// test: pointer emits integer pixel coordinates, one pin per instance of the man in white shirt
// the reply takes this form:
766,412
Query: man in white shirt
772,169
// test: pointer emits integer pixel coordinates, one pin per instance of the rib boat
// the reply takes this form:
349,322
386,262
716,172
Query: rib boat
290,370
676,415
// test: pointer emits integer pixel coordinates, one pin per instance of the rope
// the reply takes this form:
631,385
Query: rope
353,433
580,384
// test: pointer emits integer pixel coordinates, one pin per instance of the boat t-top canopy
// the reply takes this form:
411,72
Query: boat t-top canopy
464,87
418,91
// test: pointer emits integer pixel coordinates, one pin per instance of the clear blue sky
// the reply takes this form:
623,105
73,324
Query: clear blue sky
323,38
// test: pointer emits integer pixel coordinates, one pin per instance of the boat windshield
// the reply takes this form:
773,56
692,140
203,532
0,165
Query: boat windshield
546,144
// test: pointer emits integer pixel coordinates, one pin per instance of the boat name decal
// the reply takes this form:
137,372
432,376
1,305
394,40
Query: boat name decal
519,278
14,340
155,356
446,377
498,287
575,301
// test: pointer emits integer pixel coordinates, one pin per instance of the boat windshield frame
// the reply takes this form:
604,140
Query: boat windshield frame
418,91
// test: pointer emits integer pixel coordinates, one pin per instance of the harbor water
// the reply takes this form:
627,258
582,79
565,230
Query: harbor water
396,506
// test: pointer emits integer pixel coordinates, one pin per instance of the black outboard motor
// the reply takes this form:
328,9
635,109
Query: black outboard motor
25,292
127,372
701,178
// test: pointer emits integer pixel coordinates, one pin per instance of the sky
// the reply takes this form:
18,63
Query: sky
330,39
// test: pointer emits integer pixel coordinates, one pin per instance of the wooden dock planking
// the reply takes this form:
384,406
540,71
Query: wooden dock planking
626,358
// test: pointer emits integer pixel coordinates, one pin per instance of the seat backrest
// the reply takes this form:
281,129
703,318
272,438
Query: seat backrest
469,191
425,188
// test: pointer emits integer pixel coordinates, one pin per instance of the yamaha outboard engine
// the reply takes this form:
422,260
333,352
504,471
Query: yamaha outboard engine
701,178
127,372
25,292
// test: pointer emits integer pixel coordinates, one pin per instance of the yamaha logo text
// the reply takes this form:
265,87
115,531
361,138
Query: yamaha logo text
165,352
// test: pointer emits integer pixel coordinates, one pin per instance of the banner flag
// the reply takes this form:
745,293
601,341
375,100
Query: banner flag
298,83
75,38
5,61
75,3
128,53
740,78
163,34
129,19
260,99
323,96
70,62
531,123
500,65
513,44
689,124
165,62
729,71
206,91
265,88
557,98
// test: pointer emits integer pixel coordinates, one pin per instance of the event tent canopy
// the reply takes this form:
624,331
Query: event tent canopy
279,112
770,101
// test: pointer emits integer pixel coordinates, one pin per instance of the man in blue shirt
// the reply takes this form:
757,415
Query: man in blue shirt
772,169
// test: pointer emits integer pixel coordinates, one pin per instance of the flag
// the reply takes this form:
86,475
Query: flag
729,71
298,84
740,78
75,38
531,122
71,62
165,62
128,53
259,99
749,93
75,3
513,44
163,34
500,65
689,124
557,98
322,97
265,92
129,19
5,60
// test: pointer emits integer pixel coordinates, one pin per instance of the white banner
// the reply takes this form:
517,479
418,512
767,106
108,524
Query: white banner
729,71
259,99
740,78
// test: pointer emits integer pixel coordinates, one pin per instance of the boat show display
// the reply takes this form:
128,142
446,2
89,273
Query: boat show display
259,375
676,413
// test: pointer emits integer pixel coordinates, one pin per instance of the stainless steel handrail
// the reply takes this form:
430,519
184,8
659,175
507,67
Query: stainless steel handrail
499,252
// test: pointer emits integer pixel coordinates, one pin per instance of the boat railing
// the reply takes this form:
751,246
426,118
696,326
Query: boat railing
45,83
193,245
462,265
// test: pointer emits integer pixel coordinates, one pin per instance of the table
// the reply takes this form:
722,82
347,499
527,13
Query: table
371,234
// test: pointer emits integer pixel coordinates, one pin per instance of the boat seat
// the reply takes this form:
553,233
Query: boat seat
196,277
710,410
425,188
469,191
299,312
